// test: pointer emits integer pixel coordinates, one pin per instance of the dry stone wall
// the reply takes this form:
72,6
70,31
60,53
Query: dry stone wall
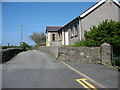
80,54
95,55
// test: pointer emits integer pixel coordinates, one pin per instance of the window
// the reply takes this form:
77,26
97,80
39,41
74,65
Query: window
76,30
53,37
72,32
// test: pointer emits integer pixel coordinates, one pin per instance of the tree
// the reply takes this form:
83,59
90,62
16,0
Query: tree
107,31
38,37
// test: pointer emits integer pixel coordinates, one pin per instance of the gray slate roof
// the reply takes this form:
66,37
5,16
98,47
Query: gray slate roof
53,28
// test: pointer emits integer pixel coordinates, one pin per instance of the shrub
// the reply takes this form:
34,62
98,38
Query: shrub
25,46
4,47
79,44
107,31
116,61
42,44
88,43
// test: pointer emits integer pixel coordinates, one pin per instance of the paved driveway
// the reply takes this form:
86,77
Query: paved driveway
35,69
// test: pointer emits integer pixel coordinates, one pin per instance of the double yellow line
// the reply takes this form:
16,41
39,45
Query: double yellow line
83,82
84,79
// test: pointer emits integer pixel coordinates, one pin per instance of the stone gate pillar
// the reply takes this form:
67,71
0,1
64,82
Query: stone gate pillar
106,53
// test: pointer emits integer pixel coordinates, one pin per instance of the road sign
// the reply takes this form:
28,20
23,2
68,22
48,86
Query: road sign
21,43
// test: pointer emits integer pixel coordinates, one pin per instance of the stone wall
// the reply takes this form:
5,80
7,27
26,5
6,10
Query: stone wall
52,50
95,55
80,54
106,53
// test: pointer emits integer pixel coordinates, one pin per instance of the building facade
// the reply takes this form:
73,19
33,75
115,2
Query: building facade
53,36
103,10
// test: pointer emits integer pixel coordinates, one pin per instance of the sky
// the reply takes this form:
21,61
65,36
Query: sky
0,22
35,16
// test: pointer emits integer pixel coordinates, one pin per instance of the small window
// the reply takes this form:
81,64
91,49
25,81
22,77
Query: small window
76,30
53,37
72,32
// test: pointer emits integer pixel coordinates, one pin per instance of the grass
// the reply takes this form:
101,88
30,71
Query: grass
77,44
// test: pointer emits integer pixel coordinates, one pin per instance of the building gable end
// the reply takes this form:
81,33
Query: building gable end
95,6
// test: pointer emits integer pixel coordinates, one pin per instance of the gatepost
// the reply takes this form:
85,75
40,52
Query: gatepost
106,53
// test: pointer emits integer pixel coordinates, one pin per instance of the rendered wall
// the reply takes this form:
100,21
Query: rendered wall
106,11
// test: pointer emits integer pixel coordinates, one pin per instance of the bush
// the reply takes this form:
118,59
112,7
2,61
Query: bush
88,43
116,61
79,44
107,31
42,44
5,47
25,46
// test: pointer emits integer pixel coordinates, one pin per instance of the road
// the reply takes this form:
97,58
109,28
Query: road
35,69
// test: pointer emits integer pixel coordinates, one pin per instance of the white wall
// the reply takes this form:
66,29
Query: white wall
66,38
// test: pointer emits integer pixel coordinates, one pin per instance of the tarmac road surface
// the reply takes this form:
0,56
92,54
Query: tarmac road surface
35,69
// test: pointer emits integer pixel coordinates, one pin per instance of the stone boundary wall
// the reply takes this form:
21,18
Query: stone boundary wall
95,55
7,54
80,54
52,50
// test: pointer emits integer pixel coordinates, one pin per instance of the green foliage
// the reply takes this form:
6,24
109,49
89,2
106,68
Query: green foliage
116,61
107,31
25,46
42,44
79,44
88,43
5,47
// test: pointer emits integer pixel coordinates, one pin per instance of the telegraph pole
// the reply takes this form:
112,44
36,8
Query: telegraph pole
21,27
21,33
